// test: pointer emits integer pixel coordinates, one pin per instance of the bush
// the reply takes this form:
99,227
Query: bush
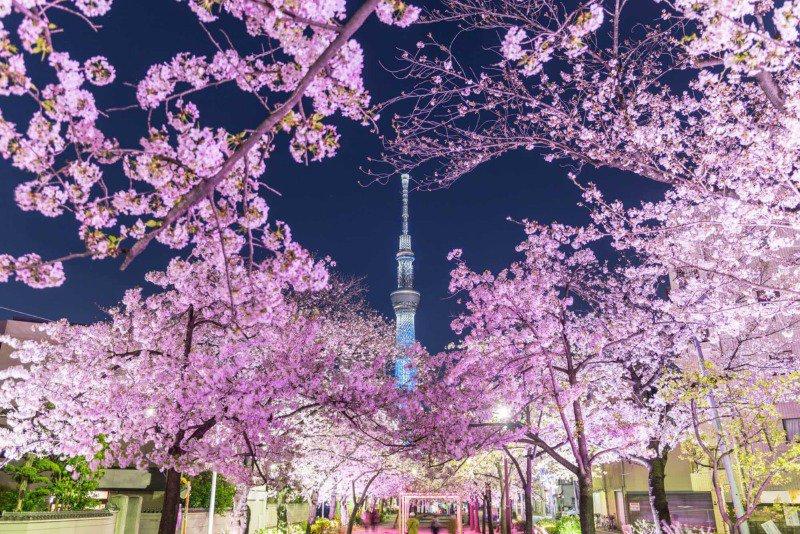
413,525
69,482
549,525
200,497
325,526
569,524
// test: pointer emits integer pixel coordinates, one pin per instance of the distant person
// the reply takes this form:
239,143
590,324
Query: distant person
374,518
434,527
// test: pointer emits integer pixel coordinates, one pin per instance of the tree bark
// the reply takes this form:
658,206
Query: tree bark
489,518
483,515
501,511
586,504
656,474
507,497
172,497
332,508
312,511
526,484
358,502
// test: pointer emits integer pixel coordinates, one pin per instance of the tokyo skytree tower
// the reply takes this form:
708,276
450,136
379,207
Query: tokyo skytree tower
405,299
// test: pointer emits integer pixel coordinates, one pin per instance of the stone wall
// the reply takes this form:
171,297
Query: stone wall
88,522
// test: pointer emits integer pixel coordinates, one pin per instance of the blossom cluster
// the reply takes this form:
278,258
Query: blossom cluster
532,54
64,157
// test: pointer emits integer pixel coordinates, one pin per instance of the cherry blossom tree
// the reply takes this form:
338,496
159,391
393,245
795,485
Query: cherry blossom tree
589,84
699,96
550,324
185,177
215,368
334,459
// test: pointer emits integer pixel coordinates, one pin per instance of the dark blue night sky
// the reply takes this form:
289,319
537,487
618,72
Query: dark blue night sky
329,209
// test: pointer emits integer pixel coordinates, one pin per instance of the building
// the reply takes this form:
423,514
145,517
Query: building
621,488
405,299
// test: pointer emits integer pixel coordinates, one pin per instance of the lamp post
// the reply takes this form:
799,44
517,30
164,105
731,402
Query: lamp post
212,502
726,459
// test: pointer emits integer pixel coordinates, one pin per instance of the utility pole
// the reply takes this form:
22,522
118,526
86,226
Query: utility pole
726,459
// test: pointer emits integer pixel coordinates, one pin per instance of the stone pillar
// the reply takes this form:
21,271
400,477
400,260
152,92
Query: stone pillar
120,503
134,514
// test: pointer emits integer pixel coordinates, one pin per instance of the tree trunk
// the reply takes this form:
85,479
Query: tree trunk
489,518
312,511
507,495
526,484
483,515
332,508
586,504
353,516
501,511
172,497
657,492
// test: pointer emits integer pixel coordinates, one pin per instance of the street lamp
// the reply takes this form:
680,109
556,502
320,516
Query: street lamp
502,412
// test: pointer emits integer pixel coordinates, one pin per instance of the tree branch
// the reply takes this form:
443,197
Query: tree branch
208,185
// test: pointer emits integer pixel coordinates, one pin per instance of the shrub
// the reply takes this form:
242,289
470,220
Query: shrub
69,482
548,525
325,526
200,497
413,525
8,500
569,524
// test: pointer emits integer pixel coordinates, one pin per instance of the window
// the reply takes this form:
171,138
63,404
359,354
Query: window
792,427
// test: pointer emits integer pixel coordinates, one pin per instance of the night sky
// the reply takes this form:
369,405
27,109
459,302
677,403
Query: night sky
329,205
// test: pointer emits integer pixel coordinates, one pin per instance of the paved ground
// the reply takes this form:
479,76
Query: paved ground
387,529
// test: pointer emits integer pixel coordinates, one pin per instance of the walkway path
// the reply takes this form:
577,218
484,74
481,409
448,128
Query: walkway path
387,529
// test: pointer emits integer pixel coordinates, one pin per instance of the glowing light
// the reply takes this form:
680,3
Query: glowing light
502,412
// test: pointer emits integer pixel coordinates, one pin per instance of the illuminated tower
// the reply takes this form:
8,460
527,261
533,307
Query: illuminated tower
405,299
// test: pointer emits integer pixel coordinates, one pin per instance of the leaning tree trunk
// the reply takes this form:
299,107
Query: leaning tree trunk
656,474
351,522
586,504
172,497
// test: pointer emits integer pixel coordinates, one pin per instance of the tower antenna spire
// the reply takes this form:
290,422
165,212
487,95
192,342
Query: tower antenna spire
405,178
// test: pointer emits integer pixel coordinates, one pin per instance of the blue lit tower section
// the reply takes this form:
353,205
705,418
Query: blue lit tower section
405,299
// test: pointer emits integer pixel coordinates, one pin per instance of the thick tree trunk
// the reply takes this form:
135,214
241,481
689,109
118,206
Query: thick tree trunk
586,504
656,490
172,497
